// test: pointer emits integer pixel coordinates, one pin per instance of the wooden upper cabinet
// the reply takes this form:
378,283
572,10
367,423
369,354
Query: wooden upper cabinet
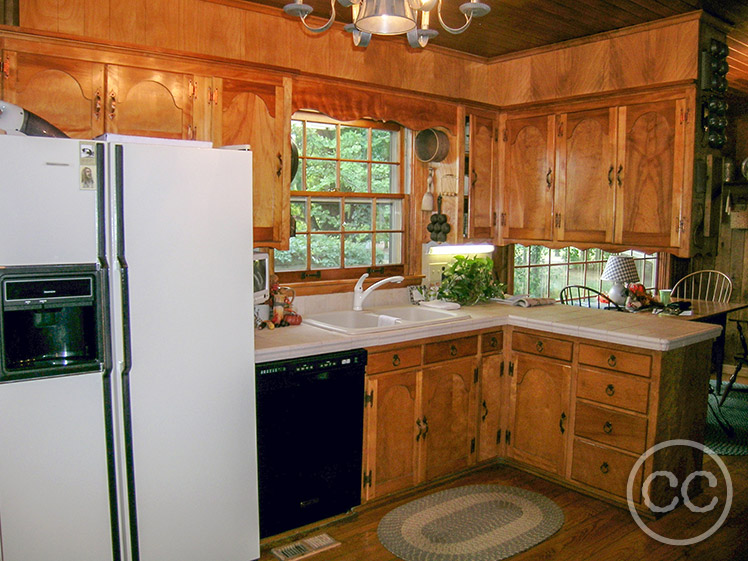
481,174
614,173
650,166
259,114
527,203
65,92
145,102
585,176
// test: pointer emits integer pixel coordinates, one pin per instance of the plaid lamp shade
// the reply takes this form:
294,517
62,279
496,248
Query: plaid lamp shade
620,268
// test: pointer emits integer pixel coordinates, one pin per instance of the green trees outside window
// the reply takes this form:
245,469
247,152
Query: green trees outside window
346,199
543,272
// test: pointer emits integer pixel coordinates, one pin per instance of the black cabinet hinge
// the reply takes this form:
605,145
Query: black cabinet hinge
511,368
498,436
369,398
508,437
472,446
501,369
475,376
367,479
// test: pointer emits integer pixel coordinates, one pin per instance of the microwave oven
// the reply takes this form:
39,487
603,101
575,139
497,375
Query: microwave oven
261,277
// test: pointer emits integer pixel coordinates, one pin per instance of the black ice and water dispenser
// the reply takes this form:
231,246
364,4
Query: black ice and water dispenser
50,321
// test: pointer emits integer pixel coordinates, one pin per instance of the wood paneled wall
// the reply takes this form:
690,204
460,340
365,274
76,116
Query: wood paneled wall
650,54
658,53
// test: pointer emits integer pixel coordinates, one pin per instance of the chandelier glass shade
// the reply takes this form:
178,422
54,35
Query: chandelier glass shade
390,17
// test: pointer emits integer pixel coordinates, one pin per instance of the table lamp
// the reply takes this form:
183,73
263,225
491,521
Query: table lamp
620,269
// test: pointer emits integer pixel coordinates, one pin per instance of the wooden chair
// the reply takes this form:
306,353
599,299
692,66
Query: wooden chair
714,286
578,295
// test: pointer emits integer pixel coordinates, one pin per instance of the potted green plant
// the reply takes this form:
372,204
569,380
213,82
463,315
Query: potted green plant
470,280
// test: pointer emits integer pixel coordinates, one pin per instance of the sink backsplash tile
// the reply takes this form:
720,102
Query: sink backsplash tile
318,303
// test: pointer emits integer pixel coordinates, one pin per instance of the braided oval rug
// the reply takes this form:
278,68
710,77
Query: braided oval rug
471,523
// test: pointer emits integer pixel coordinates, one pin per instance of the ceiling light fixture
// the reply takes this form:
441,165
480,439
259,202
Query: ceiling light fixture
390,17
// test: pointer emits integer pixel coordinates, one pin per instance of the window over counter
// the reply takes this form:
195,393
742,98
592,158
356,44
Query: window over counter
543,272
347,200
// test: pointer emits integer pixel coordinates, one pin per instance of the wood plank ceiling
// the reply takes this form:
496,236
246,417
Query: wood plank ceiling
517,25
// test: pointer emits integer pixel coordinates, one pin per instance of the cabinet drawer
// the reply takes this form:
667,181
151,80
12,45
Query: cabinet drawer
603,468
542,345
614,389
393,359
492,342
608,426
620,361
452,348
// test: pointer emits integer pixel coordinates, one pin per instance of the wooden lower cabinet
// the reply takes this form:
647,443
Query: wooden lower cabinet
539,417
448,417
419,422
391,448
572,408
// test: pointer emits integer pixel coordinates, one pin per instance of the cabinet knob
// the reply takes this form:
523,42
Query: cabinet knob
612,361
494,343
452,350
605,468
607,427
610,390
539,346
395,360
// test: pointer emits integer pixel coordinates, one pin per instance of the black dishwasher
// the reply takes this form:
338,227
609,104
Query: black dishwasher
309,438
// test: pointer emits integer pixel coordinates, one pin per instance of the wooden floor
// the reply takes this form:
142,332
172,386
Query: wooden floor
592,529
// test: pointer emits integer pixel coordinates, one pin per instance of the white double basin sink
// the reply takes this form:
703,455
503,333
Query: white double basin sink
382,319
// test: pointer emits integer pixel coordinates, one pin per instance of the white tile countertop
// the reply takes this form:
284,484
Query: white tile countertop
642,330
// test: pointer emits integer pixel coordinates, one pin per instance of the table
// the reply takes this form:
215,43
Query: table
714,313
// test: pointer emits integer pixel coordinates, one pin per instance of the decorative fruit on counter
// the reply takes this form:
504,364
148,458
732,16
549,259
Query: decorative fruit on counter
292,318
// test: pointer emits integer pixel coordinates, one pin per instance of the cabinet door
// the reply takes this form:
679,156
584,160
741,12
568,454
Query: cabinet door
481,165
490,407
527,209
540,412
259,114
390,453
66,93
448,417
585,178
146,102
650,173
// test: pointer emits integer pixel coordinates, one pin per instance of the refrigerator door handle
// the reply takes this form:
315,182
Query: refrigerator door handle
126,363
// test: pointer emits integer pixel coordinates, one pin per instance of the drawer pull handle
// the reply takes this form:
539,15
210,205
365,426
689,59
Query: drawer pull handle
612,361
395,360
607,427
494,342
539,346
452,350
610,390
605,468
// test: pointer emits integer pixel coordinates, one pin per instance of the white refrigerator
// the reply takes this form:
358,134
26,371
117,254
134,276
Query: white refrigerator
152,456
